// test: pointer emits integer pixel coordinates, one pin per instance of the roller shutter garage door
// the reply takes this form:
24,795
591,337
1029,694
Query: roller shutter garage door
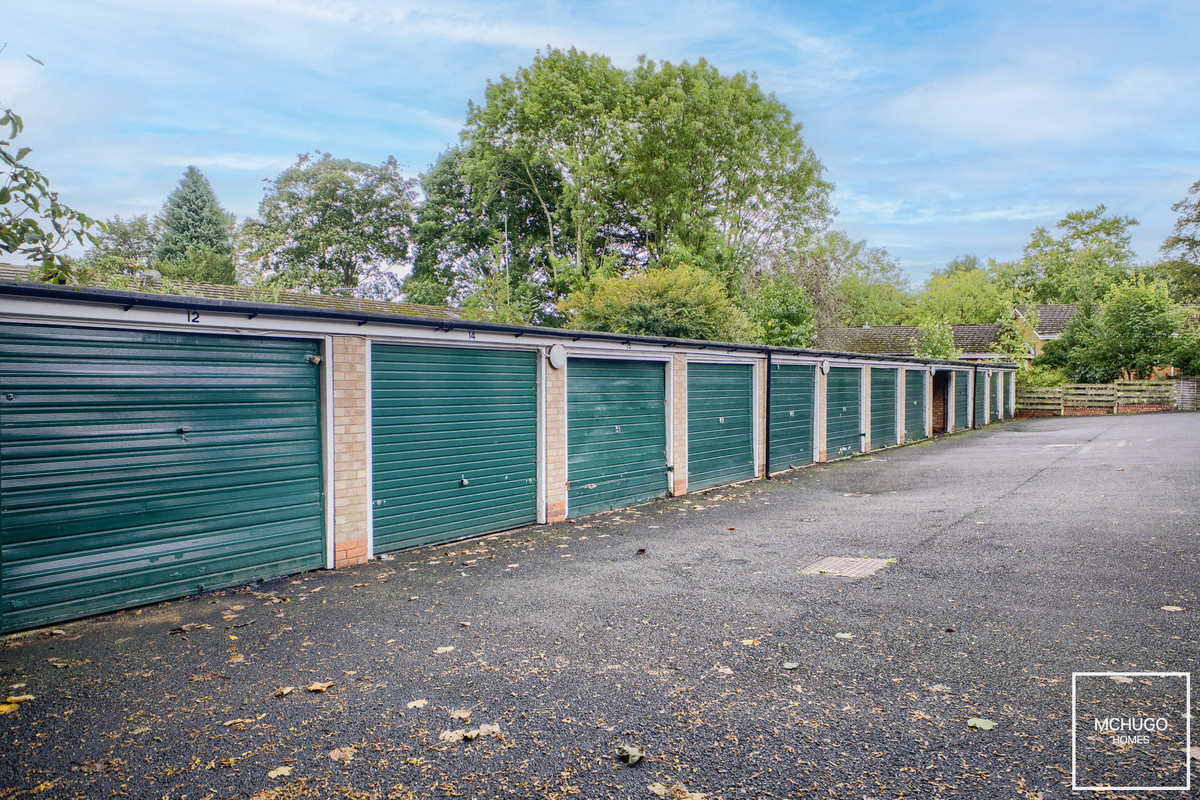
720,424
843,412
616,434
962,406
914,404
1010,379
883,408
980,399
138,466
454,443
793,421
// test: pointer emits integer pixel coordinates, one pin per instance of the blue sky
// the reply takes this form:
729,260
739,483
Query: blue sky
947,127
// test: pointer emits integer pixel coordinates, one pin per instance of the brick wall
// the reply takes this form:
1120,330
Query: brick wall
940,393
348,367
761,410
556,444
679,451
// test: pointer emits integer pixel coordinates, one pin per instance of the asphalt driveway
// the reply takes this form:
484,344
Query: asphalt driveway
517,664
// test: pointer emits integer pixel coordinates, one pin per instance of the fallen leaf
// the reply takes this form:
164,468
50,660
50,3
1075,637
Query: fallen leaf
465,624
94,767
1171,608
18,698
359,585
487,729
1194,752
460,713
724,670
844,635
981,723
6,708
284,691
630,754
676,792
791,665
418,704
139,731
239,721
280,772
1120,679
452,736
414,597
343,754
749,642
641,551
445,649
190,626
921,715
939,687
317,686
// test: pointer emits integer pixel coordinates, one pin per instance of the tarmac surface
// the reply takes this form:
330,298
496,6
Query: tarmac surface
517,664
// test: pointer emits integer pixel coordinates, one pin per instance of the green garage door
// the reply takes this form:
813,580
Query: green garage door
616,434
1010,381
454,443
793,393
137,466
843,412
962,406
914,404
980,399
883,408
720,424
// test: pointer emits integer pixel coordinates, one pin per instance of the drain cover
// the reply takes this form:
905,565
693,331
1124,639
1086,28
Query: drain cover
847,567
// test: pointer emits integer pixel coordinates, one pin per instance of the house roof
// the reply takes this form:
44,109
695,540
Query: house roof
897,339
1052,319
213,291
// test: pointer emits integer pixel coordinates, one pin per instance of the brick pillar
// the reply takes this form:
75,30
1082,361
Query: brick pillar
679,430
821,421
761,409
348,367
555,387
869,409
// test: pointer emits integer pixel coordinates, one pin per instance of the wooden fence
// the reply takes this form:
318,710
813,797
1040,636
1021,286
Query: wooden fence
1121,397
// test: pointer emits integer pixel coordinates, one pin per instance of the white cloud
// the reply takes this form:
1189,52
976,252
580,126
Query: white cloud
231,161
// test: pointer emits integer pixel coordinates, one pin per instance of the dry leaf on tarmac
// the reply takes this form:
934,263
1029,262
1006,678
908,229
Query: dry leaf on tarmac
981,723
446,649
676,792
18,698
460,713
1171,608
190,626
921,715
318,686
452,736
418,704
343,754
242,721
6,708
631,754
724,670
284,691
749,642
94,767
844,635
1195,753
1120,679
280,772
939,687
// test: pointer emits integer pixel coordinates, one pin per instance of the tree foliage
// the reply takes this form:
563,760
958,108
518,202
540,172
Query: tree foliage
780,312
329,223
34,225
192,218
963,297
1089,255
661,165
684,302
935,339
1182,247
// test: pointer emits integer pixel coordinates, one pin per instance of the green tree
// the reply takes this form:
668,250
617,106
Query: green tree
1090,254
935,339
126,246
969,296
1011,341
1182,247
965,263
459,225
657,166
329,223
192,219
871,287
780,312
684,302
34,225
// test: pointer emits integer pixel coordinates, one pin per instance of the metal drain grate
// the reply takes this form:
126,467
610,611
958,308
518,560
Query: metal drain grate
847,567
